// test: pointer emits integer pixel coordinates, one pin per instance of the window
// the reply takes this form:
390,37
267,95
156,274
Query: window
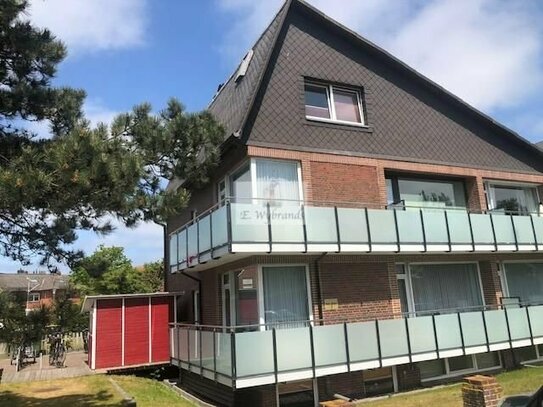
512,199
34,297
525,280
263,180
222,193
422,192
241,185
285,296
277,181
333,103
448,287
435,369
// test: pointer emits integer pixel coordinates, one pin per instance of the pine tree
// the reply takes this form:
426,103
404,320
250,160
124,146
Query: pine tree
80,176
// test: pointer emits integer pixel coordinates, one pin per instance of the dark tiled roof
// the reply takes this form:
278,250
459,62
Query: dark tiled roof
232,103
19,282
236,104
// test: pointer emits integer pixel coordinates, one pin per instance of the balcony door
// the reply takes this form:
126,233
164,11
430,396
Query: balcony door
440,287
285,296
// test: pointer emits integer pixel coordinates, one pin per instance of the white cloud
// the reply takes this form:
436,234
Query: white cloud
92,25
487,52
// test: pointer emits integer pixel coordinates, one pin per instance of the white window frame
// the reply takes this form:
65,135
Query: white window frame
331,105
491,196
251,163
32,297
260,295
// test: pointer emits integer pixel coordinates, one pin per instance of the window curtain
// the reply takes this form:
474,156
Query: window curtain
285,296
445,287
525,280
276,181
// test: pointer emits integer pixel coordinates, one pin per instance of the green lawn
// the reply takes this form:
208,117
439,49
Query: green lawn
89,391
525,380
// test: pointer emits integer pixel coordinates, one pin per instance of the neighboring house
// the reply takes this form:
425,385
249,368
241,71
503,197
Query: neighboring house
362,234
34,289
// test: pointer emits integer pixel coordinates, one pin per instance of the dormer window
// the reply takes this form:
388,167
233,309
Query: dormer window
332,103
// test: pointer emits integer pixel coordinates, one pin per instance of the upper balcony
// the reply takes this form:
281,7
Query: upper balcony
273,226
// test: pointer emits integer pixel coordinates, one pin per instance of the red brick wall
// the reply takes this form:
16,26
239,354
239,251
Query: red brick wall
490,279
333,182
362,290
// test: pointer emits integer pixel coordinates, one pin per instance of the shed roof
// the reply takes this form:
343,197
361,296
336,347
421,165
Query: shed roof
90,300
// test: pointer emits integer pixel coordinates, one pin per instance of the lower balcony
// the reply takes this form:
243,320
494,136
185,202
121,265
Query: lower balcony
248,356
235,229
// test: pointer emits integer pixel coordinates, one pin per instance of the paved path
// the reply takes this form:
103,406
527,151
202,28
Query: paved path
75,366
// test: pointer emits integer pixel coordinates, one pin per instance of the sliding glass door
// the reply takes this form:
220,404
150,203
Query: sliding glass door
525,280
451,287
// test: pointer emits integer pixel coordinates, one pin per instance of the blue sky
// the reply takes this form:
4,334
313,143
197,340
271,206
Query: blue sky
124,52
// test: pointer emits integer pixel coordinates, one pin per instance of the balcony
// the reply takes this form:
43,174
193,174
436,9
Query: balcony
253,356
237,228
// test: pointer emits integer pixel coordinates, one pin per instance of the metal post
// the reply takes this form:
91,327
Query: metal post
304,227
368,227
423,231
347,353
268,212
448,230
338,232
461,333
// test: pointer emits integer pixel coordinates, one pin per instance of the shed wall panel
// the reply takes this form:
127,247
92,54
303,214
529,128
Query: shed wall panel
136,331
108,333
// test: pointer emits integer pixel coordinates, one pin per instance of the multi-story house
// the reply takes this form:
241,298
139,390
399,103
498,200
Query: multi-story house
34,289
366,231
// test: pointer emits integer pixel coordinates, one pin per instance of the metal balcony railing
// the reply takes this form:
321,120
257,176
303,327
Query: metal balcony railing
258,226
256,355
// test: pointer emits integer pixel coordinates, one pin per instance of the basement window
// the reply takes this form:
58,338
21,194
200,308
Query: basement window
325,102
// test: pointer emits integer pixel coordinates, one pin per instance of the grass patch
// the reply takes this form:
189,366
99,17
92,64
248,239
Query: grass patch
88,391
150,392
525,380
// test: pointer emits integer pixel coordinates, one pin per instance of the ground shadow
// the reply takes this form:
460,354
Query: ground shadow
101,398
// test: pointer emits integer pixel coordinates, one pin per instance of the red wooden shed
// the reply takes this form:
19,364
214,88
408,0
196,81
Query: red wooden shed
129,330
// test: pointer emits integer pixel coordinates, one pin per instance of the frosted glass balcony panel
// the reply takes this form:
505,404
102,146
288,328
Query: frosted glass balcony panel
249,223
352,225
173,249
448,332
459,227
421,335
192,236
207,350
435,227
538,225
320,224
204,240
518,323
220,226
393,338
382,226
473,329
223,351
536,320
182,246
287,224
254,353
482,229
362,339
503,226
410,226
329,342
496,326
194,348
524,230
293,349
183,337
